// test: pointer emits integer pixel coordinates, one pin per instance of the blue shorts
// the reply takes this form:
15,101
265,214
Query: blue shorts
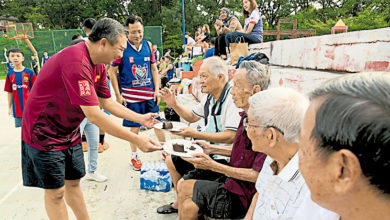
18,122
141,108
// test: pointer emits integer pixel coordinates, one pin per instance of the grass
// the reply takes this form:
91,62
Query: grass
2,76
162,105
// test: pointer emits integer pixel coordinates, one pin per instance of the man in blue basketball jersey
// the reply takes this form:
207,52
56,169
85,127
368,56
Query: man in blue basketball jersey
139,80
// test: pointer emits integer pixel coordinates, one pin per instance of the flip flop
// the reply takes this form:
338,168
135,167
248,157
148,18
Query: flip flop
166,209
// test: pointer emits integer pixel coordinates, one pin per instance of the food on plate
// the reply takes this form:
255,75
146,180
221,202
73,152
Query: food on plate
167,125
179,148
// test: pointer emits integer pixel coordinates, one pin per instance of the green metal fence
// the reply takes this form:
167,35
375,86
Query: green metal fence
55,40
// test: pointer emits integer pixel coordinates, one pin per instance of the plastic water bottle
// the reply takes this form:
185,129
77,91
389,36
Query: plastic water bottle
158,169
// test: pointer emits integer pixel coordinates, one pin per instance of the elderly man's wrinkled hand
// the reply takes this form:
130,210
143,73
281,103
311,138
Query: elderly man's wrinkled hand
201,161
168,96
186,132
206,146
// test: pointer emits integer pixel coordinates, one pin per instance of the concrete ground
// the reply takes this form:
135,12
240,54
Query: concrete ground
118,198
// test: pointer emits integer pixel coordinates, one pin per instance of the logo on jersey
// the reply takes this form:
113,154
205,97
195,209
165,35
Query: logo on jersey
131,59
146,59
141,74
16,87
85,89
25,78
97,78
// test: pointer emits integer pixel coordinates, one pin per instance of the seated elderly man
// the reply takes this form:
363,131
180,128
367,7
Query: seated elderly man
344,147
229,195
220,115
274,121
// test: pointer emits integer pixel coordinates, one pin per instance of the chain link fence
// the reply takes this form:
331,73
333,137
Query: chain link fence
55,40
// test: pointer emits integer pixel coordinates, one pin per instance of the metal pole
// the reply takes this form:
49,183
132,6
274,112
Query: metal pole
54,43
32,48
184,24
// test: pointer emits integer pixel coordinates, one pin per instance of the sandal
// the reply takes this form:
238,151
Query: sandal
166,209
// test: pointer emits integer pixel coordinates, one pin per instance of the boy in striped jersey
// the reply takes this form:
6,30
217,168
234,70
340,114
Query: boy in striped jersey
139,80
18,84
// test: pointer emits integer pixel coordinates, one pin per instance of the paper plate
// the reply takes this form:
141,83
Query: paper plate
176,126
168,147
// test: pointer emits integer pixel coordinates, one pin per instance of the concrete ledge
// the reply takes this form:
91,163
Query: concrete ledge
350,52
302,80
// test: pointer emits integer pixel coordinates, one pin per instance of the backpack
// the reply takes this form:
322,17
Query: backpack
259,57
170,114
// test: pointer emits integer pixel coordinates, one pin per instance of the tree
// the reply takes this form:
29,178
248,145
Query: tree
68,14
273,10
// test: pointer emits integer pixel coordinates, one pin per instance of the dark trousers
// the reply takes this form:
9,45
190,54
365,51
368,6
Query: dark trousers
220,45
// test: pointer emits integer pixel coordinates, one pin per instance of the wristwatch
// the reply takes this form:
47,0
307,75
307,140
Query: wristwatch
223,26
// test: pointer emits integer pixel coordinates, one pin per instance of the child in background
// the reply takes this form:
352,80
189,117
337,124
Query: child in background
18,84
10,65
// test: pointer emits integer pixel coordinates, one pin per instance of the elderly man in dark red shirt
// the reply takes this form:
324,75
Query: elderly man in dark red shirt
230,195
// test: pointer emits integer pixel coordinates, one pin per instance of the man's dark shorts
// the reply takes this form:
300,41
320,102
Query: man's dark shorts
50,169
215,201
209,193
181,166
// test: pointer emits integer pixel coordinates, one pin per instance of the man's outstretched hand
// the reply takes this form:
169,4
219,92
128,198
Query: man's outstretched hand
149,120
146,144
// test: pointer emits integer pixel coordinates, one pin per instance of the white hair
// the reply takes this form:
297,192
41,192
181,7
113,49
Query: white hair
256,74
217,66
281,107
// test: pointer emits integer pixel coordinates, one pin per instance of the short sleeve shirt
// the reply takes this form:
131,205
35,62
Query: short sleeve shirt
244,157
311,210
191,41
255,18
209,53
52,113
280,195
19,84
223,113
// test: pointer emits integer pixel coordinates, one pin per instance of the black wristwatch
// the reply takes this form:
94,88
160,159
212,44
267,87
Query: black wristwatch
222,26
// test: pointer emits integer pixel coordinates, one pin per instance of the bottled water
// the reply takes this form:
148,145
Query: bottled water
155,176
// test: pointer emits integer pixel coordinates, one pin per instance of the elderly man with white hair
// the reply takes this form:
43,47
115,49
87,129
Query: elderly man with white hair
221,118
274,120
230,195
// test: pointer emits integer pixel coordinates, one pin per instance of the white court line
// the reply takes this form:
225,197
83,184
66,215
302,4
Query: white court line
10,192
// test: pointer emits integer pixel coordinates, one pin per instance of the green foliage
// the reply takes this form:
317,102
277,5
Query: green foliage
357,16
50,41
311,14
174,42
162,105
196,58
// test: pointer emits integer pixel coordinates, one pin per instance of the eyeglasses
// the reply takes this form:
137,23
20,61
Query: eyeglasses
247,125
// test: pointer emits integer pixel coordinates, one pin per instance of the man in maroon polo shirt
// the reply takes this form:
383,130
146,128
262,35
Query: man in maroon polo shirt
70,87
230,195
